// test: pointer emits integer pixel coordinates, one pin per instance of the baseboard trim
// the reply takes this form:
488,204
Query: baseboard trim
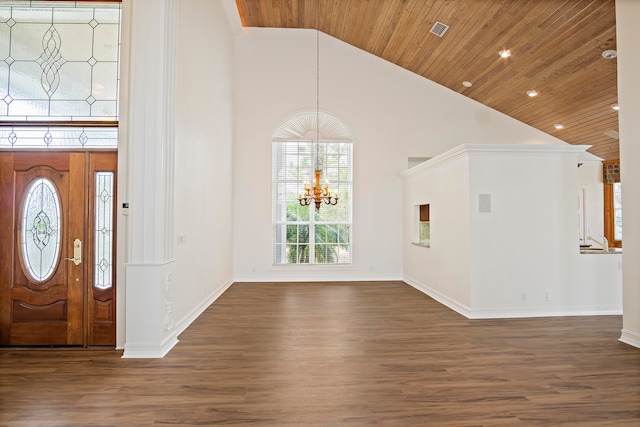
149,350
442,299
315,278
535,312
510,313
630,337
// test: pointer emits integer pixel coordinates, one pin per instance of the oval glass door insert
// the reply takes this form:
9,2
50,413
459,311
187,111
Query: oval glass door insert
41,229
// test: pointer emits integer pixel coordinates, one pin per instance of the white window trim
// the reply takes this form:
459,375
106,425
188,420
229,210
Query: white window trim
301,127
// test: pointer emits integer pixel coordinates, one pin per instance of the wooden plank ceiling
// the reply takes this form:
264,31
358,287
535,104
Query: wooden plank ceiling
556,49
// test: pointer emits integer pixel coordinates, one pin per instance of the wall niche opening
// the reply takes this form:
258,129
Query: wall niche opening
422,226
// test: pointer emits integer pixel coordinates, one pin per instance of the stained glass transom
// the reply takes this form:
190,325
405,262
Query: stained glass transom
41,229
59,62
103,263
52,137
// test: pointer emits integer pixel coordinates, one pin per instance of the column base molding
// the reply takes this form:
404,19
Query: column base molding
150,327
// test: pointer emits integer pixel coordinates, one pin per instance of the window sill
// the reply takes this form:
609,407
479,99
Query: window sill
313,266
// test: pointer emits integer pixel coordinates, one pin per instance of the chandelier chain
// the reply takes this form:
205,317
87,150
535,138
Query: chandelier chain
316,194
318,84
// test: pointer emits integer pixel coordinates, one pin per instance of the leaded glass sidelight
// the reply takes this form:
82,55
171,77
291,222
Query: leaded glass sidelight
103,262
41,229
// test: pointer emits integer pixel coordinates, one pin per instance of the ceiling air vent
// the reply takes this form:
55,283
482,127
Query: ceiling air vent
439,29
613,134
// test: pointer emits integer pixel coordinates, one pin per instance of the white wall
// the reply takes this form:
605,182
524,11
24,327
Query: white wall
525,258
204,134
526,239
443,269
393,115
628,34
521,258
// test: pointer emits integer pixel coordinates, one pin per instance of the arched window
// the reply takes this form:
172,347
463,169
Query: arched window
302,234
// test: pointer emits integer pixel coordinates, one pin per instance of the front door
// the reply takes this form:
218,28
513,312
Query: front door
57,228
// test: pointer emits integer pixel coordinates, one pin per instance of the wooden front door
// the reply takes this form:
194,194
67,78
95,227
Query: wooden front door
56,266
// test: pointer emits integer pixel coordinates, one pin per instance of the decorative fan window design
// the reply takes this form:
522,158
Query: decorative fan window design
59,73
302,235
41,229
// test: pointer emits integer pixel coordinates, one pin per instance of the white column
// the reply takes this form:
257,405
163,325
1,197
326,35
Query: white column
149,120
628,34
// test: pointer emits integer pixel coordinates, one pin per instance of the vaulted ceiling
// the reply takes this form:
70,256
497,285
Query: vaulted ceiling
556,49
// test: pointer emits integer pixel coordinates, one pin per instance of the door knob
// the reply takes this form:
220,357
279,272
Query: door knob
77,252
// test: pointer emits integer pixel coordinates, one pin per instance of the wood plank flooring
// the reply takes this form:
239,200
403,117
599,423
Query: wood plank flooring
338,354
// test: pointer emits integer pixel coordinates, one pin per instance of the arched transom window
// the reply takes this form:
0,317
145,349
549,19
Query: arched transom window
302,234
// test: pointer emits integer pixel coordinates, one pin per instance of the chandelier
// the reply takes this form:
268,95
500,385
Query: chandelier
317,194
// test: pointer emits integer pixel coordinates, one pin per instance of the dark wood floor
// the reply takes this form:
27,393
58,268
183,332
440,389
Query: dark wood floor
338,354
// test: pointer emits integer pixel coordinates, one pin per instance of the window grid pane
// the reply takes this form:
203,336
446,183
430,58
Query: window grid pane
302,235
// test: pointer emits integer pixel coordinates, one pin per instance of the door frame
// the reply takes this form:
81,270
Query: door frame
86,159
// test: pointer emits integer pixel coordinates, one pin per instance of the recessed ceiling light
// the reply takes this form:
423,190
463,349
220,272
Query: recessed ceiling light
558,126
467,84
532,93
504,53
615,107
609,54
